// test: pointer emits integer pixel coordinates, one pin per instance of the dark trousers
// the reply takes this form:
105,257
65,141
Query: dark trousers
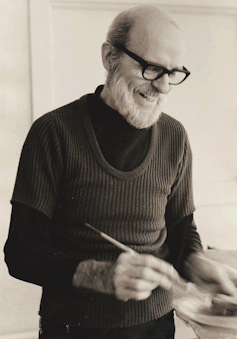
162,328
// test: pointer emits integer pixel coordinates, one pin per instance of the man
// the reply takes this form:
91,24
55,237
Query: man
113,160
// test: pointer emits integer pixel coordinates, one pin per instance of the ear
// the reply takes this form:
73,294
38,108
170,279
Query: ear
106,52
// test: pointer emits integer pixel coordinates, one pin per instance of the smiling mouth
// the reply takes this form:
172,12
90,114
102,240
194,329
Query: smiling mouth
143,95
147,98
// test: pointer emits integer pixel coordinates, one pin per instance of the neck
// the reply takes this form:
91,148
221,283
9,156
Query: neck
107,98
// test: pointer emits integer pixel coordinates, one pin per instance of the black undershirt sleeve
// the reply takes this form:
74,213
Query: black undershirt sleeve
29,254
182,240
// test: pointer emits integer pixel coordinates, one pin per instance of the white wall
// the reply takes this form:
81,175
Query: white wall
18,300
70,66
65,34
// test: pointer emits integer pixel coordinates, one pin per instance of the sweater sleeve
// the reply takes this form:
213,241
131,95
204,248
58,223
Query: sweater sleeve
180,201
40,168
29,254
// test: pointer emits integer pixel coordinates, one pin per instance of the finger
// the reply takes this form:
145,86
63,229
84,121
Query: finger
152,262
227,286
143,282
165,283
222,279
139,285
128,288
143,272
232,272
153,277
219,281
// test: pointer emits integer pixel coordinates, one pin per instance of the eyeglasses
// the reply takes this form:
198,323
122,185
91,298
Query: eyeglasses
153,72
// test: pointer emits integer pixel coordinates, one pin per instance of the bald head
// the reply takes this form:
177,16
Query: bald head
142,26
149,15
143,16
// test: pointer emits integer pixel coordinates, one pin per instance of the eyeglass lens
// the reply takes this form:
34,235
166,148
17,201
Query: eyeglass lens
153,72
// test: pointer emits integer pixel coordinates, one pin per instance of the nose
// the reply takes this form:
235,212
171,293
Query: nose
162,84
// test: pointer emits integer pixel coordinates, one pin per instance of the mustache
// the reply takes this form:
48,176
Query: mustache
149,91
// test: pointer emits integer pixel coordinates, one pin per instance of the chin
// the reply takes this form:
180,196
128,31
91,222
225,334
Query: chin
141,116
138,115
142,119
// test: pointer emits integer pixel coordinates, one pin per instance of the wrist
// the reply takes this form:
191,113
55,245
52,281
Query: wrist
95,275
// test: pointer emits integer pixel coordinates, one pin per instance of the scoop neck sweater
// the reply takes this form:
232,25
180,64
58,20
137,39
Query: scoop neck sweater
70,181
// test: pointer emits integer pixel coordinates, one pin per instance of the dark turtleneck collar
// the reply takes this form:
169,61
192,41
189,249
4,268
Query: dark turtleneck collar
122,145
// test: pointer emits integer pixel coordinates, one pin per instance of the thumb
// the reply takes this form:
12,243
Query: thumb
227,286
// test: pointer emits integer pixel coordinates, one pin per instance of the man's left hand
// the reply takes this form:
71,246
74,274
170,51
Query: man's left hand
210,275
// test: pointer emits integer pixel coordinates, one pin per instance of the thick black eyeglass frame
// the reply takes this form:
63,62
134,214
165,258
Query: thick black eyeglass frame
146,64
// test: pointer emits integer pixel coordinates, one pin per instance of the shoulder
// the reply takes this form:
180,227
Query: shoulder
172,134
67,114
60,123
171,125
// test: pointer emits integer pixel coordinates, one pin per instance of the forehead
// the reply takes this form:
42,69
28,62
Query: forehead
158,42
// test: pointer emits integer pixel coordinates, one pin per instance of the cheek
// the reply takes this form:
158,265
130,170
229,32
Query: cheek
133,78
140,86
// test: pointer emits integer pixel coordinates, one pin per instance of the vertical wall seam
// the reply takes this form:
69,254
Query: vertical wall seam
30,64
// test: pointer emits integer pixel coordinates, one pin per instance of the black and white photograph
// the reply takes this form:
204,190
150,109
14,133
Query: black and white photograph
118,169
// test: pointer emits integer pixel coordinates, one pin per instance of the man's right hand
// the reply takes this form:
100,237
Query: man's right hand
137,275
132,276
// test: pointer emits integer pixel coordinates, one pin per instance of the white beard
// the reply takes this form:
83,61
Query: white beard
135,115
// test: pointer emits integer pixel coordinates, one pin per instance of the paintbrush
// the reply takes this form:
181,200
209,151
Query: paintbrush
181,283
110,239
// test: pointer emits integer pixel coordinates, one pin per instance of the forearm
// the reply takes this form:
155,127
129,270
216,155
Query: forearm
182,240
39,264
28,253
95,275
192,263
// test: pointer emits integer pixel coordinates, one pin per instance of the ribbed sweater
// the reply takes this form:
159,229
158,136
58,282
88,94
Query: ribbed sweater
69,180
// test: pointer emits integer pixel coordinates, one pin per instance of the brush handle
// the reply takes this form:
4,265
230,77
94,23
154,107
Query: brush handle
110,239
116,243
